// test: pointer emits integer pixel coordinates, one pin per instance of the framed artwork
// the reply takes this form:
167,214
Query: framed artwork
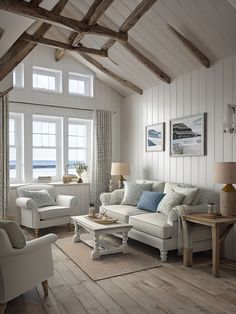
187,136
155,137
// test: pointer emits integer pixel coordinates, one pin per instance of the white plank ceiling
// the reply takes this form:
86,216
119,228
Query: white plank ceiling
209,24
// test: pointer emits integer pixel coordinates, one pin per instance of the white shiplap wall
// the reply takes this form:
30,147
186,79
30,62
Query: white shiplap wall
204,90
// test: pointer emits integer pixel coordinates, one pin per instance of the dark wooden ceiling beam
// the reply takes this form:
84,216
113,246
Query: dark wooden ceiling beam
148,63
58,44
201,57
26,9
21,48
91,17
111,74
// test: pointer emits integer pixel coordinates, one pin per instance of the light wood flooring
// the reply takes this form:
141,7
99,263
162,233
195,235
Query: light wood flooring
171,288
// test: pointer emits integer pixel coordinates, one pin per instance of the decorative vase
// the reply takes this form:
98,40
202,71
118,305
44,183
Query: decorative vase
80,180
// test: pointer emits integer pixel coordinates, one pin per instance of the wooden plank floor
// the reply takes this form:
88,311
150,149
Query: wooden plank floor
171,288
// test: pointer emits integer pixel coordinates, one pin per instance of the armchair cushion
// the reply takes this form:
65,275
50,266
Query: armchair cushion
50,212
42,198
15,234
133,192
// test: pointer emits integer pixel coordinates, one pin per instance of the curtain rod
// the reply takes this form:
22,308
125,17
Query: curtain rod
51,106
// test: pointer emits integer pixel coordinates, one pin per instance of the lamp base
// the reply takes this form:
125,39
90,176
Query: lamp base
228,200
121,182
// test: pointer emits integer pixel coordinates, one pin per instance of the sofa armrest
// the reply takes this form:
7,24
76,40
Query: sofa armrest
66,201
105,198
26,203
178,211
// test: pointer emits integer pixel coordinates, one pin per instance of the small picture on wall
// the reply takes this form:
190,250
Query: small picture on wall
187,136
155,137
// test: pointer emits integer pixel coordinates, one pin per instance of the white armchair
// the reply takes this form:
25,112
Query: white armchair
22,269
36,218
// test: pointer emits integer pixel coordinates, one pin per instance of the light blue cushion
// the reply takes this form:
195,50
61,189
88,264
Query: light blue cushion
133,192
42,198
150,200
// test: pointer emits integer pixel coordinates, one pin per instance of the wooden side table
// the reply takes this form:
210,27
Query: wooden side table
220,227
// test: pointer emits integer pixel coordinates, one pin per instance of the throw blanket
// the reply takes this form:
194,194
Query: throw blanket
185,228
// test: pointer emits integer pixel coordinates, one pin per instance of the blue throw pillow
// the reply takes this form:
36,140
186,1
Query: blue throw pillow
150,200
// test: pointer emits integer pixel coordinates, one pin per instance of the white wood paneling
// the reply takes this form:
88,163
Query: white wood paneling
203,90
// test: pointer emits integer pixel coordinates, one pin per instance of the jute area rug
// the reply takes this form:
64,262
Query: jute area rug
139,257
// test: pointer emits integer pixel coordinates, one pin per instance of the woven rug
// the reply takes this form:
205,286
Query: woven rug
139,257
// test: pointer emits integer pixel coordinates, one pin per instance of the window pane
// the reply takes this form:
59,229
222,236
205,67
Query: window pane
12,138
76,155
11,125
80,130
44,162
45,127
72,141
52,140
72,129
37,140
37,127
80,142
44,140
52,128
12,162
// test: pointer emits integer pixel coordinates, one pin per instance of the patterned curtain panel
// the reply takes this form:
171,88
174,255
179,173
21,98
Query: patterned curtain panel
102,154
4,155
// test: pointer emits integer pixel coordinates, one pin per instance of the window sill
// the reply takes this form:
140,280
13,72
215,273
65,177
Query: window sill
59,183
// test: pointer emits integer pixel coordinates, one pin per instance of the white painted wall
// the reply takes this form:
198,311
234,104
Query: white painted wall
204,90
104,97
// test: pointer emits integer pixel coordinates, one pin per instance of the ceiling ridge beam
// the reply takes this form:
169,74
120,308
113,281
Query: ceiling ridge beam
58,44
201,57
111,74
91,17
26,9
20,49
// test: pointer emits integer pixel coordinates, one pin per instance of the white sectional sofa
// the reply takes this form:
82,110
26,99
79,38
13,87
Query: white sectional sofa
155,228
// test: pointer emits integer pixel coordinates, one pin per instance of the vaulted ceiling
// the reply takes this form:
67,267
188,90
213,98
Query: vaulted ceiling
205,29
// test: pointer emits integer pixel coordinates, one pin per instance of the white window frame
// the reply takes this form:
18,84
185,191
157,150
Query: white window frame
88,84
18,76
88,144
18,118
48,72
59,145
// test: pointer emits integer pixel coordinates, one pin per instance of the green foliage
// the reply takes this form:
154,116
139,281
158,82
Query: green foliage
80,167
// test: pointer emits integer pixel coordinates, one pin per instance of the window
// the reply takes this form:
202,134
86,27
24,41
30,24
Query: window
15,152
46,159
80,84
47,79
18,76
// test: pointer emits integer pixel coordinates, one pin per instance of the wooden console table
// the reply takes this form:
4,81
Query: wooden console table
220,227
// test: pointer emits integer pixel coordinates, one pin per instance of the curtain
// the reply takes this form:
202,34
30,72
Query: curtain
102,156
4,155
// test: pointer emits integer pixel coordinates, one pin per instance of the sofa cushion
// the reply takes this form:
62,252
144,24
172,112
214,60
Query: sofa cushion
42,198
14,232
117,196
186,190
154,224
150,200
49,212
169,201
133,192
157,186
121,212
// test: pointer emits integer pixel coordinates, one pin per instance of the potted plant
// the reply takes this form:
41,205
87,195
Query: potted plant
80,168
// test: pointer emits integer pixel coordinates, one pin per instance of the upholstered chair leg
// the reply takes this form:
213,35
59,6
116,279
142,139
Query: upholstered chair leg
45,287
163,255
2,308
36,232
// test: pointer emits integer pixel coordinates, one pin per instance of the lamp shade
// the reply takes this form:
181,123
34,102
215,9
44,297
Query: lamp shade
119,168
225,172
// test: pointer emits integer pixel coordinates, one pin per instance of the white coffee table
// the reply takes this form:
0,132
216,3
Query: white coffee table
83,224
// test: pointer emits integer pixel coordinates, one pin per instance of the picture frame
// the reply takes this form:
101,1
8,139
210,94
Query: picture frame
188,136
155,137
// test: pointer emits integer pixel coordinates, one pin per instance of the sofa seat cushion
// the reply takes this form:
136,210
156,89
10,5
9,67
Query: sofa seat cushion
154,224
121,212
49,212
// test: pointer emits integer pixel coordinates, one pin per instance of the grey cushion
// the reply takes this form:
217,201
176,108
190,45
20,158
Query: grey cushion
133,192
186,190
122,212
48,212
42,198
15,234
154,224
169,201
157,186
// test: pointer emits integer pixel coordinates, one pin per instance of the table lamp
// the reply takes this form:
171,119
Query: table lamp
225,172
120,169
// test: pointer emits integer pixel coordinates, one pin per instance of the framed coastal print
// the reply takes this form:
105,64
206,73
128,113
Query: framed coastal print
187,136
155,137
